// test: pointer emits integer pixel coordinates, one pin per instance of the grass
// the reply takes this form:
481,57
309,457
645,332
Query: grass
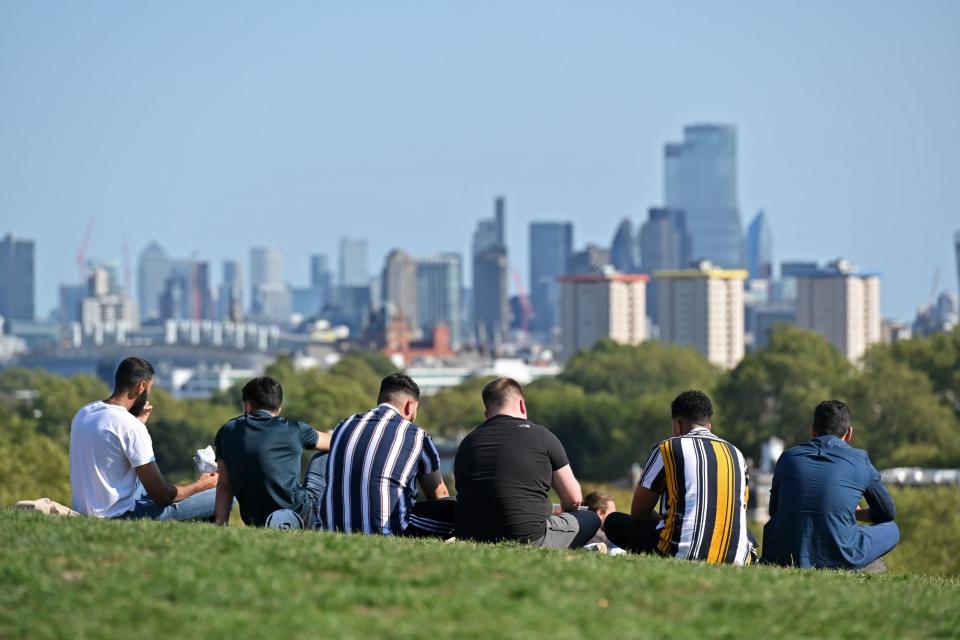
85,578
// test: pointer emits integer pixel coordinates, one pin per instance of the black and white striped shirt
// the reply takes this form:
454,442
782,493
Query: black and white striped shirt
372,469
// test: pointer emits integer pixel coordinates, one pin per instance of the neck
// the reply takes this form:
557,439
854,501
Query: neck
120,399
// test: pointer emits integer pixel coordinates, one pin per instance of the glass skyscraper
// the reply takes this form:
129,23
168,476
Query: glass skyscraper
551,245
760,248
700,178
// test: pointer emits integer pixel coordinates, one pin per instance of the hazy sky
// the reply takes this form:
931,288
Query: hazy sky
211,127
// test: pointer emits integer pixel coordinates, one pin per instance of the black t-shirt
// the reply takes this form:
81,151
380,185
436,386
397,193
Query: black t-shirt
262,453
503,472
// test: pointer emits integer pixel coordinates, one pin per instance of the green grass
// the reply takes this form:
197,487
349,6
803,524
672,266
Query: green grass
85,578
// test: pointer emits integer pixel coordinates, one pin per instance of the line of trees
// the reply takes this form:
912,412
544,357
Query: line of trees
609,406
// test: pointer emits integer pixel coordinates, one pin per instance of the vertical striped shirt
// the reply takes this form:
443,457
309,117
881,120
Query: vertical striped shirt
702,481
372,469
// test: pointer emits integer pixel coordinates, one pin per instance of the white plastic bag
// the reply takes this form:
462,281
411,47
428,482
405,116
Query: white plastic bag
206,460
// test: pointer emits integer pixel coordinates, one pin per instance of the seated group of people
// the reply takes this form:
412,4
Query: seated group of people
366,474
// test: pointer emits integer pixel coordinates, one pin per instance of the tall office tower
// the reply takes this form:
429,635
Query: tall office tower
266,267
17,290
624,251
700,178
491,310
153,269
439,286
104,314
702,307
70,302
186,293
956,248
321,280
785,289
551,246
596,306
354,271
230,298
399,288
841,305
664,244
760,248
270,300
592,259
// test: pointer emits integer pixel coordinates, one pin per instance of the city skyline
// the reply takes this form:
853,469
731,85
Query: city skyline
217,145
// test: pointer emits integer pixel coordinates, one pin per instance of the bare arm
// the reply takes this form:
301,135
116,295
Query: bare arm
567,488
433,486
644,500
164,493
224,501
323,441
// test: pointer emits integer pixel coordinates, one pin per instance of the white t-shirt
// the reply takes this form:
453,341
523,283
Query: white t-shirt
106,444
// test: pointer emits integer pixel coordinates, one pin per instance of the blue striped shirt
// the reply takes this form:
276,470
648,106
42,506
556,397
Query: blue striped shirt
372,469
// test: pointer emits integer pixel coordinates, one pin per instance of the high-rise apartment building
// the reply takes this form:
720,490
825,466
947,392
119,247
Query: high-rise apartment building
439,287
354,268
664,244
700,178
17,273
153,269
551,246
702,307
624,250
399,289
760,248
602,305
841,305
491,310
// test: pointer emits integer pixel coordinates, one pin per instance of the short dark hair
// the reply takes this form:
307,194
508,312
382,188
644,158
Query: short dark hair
692,405
398,384
498,391
131,372
831,418
263,393
596,500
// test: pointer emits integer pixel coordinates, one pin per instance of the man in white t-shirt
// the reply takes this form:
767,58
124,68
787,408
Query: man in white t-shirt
113,472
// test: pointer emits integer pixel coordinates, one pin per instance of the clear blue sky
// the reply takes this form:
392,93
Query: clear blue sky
212,126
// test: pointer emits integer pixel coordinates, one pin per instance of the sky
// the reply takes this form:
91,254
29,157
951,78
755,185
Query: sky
212,127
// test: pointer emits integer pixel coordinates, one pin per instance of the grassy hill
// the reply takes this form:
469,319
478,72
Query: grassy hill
84,578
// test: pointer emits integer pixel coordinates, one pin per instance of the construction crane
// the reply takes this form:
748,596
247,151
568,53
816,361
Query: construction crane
82,251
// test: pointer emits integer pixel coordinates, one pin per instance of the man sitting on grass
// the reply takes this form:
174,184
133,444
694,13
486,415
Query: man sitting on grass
814,501
113,472
504,470
259,455
700,481
376,460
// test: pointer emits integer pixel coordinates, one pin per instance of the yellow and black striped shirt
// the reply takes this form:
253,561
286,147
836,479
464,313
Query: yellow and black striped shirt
702,480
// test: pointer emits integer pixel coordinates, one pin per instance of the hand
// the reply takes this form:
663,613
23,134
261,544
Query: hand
207,481
145,414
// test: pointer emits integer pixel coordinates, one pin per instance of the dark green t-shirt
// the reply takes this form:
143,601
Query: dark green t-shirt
262,454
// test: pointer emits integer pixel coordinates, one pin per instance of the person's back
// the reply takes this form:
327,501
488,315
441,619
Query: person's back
817,486
376,459
700,481
503,470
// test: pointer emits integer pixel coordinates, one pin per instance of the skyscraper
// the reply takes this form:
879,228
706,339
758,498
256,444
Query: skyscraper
842,305
700,178
702,307
399,289
956,249
153,269
551,245
17,289
321,280
354,271
591,259
596,306
760,248
186,293
624,249
230,298
439,284
664,244
490,305
271,300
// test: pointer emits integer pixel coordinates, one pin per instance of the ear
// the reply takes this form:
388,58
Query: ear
408,408
676,427
247,407
848,436
813,434
523,407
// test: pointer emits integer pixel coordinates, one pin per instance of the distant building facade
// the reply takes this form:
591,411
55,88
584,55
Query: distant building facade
354,266
700,178
17,279
604,305
664,244
399,289
841,305
703,308
491,313
153,269
439,288
760,248
624,250
551,248
591,259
